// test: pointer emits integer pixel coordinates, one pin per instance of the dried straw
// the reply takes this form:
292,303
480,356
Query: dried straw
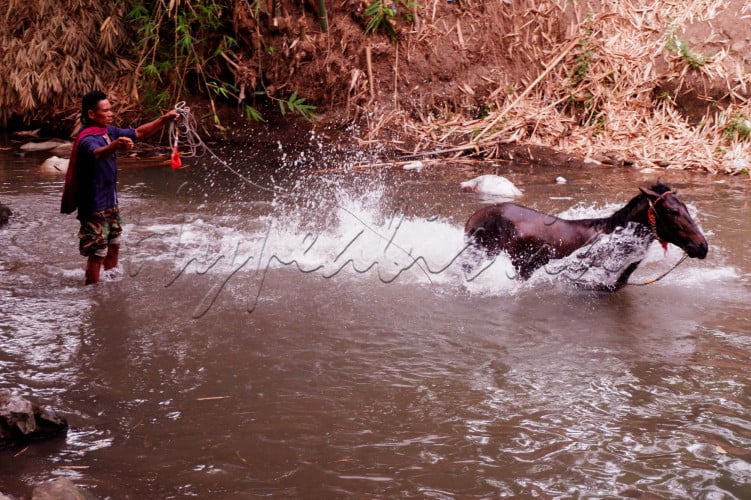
54,52
596,94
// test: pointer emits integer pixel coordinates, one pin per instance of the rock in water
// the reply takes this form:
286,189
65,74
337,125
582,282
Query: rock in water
57,489
414,165
21,420
54,164
42,146
5,214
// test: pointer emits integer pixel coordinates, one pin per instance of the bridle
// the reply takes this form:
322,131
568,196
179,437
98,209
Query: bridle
652,217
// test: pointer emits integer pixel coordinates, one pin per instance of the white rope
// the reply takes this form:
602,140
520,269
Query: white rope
185,129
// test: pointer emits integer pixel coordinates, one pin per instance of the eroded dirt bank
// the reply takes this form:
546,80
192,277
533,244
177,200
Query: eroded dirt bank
650,84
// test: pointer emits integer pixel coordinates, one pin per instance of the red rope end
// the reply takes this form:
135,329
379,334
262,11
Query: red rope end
175,161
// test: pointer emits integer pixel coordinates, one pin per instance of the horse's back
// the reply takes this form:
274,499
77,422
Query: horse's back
531,238
498,216
494,227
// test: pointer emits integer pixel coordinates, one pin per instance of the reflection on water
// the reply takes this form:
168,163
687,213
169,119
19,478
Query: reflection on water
329,344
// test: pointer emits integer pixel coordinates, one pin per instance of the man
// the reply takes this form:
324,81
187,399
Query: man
91,180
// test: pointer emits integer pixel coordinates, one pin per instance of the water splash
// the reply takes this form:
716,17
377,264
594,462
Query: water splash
346,227
600,264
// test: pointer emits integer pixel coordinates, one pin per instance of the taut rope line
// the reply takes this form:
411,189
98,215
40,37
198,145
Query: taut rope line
187,129
655,280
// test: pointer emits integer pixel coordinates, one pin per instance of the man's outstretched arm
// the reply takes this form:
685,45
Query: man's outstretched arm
148,129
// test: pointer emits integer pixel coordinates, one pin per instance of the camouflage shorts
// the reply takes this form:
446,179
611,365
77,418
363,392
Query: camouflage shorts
99,229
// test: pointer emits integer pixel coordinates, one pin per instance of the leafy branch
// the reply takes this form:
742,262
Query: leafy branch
691,58
184,48
381,16
296,104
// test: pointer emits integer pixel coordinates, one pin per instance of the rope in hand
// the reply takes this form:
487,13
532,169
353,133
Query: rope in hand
186,129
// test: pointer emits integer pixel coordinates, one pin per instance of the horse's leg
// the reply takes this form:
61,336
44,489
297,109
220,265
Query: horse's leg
529,257
480,247
473,254
623,278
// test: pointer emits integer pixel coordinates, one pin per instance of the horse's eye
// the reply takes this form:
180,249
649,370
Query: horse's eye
672,212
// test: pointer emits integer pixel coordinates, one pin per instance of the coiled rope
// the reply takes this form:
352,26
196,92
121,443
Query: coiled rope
185,130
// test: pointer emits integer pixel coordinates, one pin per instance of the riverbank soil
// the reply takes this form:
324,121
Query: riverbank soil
628,82
617,83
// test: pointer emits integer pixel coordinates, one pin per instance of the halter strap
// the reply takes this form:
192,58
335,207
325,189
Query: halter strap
652,217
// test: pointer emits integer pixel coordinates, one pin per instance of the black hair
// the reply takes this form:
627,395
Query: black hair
91,102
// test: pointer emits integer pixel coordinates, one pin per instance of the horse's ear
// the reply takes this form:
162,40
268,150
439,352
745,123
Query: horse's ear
649,193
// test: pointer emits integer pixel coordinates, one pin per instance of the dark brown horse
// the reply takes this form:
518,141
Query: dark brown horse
532,238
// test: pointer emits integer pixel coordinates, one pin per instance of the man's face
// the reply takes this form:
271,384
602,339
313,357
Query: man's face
103,114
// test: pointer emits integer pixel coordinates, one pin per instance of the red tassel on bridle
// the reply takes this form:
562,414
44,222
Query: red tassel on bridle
652,216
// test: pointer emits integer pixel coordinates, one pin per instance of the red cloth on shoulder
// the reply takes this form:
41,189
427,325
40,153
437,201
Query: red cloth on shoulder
69,202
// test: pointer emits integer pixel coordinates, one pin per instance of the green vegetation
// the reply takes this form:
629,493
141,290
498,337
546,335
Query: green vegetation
691,58
738,127
381,16
581,102
187,48
184,50
296,104
581,68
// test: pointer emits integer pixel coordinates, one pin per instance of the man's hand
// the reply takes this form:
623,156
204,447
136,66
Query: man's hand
123,143
153,127
119,144
170,116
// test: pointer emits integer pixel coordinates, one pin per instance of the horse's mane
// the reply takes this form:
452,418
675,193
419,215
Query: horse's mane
660,188
620,217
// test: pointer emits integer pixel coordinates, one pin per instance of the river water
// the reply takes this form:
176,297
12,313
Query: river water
317,338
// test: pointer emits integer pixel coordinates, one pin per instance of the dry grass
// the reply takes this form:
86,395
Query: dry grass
54,52
556,73
595,93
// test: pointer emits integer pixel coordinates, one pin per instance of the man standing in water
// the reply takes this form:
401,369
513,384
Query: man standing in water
91,180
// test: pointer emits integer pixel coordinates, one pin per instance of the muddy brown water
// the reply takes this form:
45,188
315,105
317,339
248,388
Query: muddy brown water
324,344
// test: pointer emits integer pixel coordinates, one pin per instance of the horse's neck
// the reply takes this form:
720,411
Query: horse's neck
634,211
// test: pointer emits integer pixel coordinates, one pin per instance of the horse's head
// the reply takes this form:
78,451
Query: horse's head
670,221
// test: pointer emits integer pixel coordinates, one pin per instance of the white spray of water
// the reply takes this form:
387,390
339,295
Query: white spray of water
358,239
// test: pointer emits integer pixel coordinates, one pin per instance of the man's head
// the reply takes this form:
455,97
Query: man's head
96,109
